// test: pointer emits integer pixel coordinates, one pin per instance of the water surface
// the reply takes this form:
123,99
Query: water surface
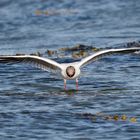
33,104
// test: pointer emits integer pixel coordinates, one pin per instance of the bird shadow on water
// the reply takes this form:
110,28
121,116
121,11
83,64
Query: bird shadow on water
70,91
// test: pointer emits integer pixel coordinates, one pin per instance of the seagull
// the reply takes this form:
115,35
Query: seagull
68,71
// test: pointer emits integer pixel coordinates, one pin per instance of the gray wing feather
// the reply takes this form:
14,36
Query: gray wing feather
39,62
103,53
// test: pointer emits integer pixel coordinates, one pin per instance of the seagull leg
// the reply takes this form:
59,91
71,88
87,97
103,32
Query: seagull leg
76,83
65,83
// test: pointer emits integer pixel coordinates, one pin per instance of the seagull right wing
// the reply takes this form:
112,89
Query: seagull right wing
39,62
102,53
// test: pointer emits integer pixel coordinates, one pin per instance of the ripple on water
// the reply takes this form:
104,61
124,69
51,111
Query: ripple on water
34,105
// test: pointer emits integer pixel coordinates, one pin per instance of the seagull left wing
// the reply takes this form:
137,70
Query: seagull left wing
102,53
39,62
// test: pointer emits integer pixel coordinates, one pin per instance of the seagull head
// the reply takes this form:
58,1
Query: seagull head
70,71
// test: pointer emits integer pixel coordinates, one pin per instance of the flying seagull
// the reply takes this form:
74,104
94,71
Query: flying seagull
69,71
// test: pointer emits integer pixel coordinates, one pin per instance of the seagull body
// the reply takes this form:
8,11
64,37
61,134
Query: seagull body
69,71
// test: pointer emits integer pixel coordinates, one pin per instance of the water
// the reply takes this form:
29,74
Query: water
33,104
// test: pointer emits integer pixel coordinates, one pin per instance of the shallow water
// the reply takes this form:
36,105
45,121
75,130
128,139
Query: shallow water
33,104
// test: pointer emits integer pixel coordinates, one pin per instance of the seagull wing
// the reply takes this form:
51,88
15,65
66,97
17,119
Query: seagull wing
39,62
102,53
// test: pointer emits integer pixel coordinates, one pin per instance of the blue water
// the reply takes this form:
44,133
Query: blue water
33,104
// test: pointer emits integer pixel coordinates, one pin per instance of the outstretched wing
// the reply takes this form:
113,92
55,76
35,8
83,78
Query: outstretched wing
102,53
39,62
